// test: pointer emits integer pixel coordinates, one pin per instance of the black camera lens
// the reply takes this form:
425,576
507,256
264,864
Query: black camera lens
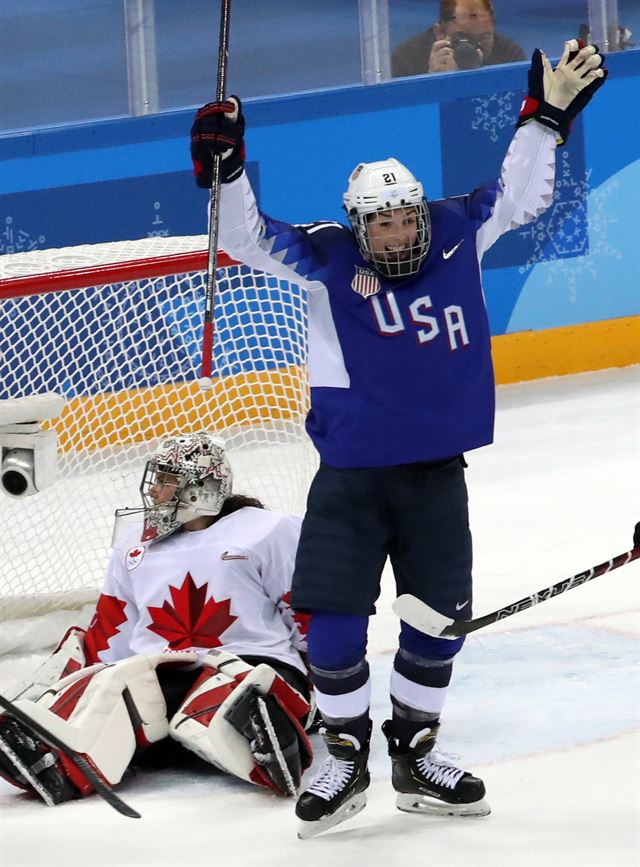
15,483
465,52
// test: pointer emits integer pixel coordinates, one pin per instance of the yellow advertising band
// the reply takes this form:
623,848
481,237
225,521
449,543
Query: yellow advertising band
529,355
122,418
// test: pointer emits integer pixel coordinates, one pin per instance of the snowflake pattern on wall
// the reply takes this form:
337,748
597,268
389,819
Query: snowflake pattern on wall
562,240
15,240
494,112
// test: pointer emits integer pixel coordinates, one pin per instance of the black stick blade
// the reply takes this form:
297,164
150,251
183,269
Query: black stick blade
39,731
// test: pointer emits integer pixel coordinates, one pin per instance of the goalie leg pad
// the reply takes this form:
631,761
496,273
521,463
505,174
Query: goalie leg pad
105,712
215,720
199,728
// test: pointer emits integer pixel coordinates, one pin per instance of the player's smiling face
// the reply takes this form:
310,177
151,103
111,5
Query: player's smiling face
163,488
393,232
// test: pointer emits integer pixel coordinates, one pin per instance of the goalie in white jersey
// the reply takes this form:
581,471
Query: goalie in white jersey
193,639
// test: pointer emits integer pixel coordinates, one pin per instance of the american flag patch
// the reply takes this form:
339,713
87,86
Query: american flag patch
365,282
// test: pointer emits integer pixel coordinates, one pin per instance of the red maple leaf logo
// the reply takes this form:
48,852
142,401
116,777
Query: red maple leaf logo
109,615
135,553
190,621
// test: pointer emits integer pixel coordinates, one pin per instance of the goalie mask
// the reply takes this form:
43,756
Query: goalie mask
188,477
389,217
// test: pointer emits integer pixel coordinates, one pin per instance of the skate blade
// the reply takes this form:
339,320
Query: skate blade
348,810
425,804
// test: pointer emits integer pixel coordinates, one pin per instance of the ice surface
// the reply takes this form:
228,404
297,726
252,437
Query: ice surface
544,706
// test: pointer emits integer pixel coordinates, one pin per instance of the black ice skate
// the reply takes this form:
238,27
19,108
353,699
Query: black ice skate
32,765
338,790
426,784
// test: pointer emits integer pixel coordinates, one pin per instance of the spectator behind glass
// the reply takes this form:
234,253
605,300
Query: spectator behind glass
464,38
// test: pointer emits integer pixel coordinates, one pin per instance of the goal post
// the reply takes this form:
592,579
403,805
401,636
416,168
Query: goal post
116,330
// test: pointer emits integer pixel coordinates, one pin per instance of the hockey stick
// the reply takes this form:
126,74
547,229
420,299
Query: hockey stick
102,788
426,619
207,335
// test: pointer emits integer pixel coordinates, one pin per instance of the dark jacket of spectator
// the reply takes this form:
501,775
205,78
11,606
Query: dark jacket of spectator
412,56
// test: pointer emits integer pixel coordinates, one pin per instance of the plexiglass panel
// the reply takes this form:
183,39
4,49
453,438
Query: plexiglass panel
61,61
76,60
276,46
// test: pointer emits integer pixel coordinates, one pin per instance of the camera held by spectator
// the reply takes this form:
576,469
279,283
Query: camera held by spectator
464,38
467,51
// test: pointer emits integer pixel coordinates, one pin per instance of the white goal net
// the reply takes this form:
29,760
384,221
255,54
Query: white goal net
116,329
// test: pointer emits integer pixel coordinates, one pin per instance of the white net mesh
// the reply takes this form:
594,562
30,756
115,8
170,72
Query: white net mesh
125,352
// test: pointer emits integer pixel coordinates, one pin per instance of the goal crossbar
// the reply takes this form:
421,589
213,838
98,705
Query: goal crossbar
135,269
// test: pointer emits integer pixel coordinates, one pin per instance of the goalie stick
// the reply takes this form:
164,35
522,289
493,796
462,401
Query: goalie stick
102,788
426,619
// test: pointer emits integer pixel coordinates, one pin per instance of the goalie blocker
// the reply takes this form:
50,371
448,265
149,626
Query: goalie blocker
246,720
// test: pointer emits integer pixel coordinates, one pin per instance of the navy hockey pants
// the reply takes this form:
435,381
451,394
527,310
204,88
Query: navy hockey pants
415,514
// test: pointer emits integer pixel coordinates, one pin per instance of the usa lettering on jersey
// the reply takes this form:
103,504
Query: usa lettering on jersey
390,320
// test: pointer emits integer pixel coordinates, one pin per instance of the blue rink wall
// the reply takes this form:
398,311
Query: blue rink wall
131,178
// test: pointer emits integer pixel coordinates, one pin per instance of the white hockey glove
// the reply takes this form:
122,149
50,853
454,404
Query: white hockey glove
67,658
557,95
578,69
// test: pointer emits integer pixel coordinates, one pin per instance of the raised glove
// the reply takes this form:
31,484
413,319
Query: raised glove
557,95
218,128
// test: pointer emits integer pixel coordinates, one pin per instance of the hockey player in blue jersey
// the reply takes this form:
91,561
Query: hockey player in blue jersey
401,387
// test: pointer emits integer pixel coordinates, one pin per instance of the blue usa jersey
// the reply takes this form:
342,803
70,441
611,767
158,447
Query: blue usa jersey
400,370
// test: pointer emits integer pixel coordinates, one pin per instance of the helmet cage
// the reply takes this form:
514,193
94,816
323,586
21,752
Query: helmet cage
160,519
197,469
394,263
387,186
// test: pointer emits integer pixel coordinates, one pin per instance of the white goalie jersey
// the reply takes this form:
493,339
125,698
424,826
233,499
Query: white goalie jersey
225,586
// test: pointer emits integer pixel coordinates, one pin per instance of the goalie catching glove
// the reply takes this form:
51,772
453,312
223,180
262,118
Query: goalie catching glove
218,129
68,657
557,95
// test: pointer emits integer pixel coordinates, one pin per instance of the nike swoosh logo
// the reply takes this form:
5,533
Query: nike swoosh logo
227,556
460,606
447,254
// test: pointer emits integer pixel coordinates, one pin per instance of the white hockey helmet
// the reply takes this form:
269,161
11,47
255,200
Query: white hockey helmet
387,185
195,466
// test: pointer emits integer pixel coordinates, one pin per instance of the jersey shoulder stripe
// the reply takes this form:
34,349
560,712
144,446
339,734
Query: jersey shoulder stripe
312,228
294,246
